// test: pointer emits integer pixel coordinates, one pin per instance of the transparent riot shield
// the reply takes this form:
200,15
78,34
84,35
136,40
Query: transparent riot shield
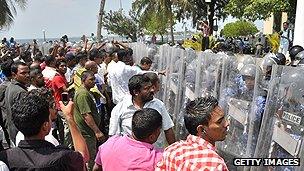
209,75
282,124
175,82
241,98
163,62
187,92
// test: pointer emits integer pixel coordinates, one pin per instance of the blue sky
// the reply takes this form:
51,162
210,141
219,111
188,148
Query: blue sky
59,17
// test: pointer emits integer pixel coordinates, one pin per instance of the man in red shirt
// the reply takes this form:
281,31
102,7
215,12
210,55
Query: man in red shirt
59,85
206,123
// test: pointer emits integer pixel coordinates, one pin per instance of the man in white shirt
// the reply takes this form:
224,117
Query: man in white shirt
120,73
286,39
49,71
142,92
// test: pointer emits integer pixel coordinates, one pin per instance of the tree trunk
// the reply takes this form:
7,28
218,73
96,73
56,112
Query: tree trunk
211,15
100,15
162,38
171,22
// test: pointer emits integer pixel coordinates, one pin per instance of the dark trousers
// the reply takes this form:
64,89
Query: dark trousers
205,43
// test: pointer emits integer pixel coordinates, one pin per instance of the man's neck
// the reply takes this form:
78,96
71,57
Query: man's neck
35,137
88,88
206,138
138,103
145,141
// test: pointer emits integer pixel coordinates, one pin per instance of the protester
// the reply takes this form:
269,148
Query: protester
31,115
86,114
14,92
37,80
49,71
47,94
134,152
206,124
145,64
141,90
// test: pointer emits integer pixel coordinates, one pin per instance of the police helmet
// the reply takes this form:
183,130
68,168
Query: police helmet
293,51
268,61
301,63
248,70
300,55
280,59
248,59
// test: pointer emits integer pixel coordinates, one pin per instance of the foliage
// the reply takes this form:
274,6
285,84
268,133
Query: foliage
239,28
148,9
197,10
155,23
8,11
194,42
256,9
274,41
118,23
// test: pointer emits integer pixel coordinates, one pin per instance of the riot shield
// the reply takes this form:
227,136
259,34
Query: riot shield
241,98
163,62
282,122
187,92
207,80
175,81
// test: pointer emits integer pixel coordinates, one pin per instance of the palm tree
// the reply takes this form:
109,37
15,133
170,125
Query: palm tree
8,11
148,7
100,15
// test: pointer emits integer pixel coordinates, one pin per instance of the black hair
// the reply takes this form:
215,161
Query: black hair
121,54
58,62
51,50
34,73
85,75
136,82
34,66
81,55
30,113
38,57
49,59
145,60
6,64
93,54
198,112
15,65
129,52
145,122
153,77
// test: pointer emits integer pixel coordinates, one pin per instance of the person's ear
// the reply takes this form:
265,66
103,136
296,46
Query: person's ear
201,130
136,93
45,126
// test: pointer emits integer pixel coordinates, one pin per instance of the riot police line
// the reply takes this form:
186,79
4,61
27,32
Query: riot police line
263,99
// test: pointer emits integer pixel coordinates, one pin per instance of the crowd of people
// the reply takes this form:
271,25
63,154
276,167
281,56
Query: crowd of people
92,108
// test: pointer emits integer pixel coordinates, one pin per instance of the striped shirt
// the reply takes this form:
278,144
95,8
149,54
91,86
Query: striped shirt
193,154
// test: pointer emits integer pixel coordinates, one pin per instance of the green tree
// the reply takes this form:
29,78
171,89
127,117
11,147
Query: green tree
257,9
8,11
146,8
118,23
198,10
239,28
155,23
